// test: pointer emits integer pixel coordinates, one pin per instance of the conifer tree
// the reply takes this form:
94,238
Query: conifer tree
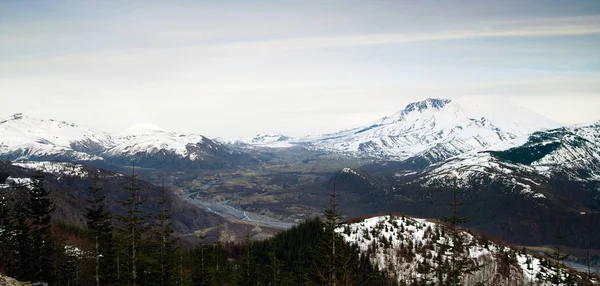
247,264
133,229
459,264
590,274
331,244
5,229
165,241
38,209
99,222
201,275
21,244
274,267
557,277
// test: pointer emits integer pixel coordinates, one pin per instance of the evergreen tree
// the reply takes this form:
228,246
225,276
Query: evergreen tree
460,264
274,268
557,277
133,229
38,209
166,243
5,229
99,222
201,275
21,244
247,265
590,274
330,246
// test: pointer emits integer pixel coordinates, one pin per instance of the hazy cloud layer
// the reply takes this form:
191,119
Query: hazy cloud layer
236,69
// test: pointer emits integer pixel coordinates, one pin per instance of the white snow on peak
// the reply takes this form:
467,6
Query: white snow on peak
143,127
441,127
152,141
261,140
28,136
23,138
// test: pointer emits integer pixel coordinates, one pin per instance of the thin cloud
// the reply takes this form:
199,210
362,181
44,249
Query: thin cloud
571,26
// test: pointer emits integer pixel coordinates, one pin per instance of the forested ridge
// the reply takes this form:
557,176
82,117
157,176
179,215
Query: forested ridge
136,247
139,248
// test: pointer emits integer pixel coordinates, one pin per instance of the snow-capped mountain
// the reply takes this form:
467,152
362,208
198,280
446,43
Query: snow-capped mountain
568,153
437,129
411,249
260,140
27,138
23,137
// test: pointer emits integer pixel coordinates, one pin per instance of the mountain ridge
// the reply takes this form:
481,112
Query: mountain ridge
28,138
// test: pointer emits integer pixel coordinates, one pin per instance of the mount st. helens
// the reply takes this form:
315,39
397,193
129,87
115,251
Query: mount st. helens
431,130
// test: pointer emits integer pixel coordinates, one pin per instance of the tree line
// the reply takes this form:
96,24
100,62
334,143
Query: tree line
138,248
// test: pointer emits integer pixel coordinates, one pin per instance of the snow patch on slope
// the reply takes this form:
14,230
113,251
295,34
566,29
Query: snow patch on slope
55,168
403,246
439,128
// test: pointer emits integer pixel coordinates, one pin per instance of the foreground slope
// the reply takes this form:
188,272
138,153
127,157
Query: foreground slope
410,249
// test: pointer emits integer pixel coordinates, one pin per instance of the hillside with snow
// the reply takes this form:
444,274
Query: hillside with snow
411,249
260,140
567,153
23,137
437,129
27,138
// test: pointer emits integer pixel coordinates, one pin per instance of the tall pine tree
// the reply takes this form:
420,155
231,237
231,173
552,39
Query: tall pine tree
5,229
165,242
329,249
38,210
99,222
133,229
451,272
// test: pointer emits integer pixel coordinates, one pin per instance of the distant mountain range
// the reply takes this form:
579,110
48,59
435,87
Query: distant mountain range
518,172
27,138
431,135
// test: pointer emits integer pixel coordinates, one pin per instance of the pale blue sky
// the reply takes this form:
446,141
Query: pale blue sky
236,68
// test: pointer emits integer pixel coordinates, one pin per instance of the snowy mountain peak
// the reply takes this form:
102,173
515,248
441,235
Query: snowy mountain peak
27,138
416,108
143,128
20,119
437,129
260,140
17,116
428,103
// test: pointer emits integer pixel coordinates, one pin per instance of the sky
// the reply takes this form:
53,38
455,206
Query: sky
239,68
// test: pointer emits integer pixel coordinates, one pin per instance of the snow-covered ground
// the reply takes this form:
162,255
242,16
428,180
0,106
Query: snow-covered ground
406,246
55,168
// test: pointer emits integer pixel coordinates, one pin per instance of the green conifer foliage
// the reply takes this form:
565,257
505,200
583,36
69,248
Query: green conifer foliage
134,227
38,211
99,222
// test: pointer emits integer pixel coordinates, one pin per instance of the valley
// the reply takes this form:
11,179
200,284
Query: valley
513,183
